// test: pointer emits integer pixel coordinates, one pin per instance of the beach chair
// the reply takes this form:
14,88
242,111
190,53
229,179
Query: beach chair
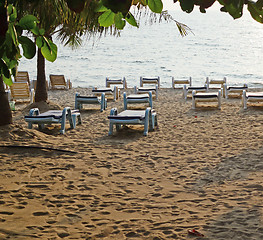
181,82
143,90
58,82
53,116
22,76
215,84
20,92
80,100
234,91
187,90
121,82
113,94
137,98
155,81
251,97
206,97
147,118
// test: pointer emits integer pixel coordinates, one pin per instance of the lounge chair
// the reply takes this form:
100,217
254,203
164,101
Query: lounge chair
155,81
143,90
181,82
251,97
137,98
215,84
206,97
58,82
122,82
234,91
133,117
190,89
22,76
109,92
80,100
20,92
53,116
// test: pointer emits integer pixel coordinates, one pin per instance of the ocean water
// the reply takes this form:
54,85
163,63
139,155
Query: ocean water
217,47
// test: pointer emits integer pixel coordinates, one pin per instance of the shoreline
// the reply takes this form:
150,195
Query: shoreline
201,169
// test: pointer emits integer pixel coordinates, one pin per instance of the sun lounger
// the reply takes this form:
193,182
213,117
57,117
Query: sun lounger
137,98
53,116
109,92
147,118
155,81
20,92
206,97
215,84
80,100
190,89
234,91
58,82
122,82
251,97
23,76
181,82
143,90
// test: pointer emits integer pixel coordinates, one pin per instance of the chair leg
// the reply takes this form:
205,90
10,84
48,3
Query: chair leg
193,100
118,127
185,92
102,103
111,129
219,99
147,121
63,120
125,100
244,100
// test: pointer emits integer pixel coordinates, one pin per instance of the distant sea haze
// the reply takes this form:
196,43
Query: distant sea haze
217,47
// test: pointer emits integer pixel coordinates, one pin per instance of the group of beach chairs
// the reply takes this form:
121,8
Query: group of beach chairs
211,92
146,117
23,89
214,89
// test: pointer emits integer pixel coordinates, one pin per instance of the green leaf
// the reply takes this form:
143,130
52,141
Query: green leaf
49,50
131,20
39,41
101,8
13,33
106,19
187,5
119,22
7,81
42,31
4,69
12,13
28,22
35,30
155,5
256,11
235,8
29,48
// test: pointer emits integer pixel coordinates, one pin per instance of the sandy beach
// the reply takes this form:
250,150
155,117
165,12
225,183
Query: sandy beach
201,169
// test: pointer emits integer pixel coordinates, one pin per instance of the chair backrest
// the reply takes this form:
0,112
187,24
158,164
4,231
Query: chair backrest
217,82
57,81
155,80
22,76
20,90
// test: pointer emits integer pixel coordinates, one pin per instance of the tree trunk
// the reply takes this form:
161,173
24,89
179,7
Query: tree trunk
41,88
5,110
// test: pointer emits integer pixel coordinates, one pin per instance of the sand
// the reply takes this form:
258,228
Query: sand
201,169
